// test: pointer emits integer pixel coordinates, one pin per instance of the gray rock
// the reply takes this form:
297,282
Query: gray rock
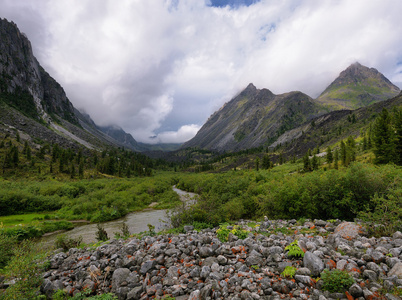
397,235
349,230
206,252
392,297
313,263
355,290
119,276
378,257
135,293
371,275
303,271
306,280
254,261
396,270
195,295
222,260
205,272
209,261
147,266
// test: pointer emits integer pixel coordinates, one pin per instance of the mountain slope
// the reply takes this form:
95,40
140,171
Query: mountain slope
253,118
332,127
28,93
357,86
258,117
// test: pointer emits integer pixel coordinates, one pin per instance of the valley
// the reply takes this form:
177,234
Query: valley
269,170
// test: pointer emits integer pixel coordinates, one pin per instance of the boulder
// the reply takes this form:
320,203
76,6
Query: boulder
349,230
313,263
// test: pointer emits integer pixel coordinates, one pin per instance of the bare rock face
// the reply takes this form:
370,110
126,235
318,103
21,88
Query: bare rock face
21,73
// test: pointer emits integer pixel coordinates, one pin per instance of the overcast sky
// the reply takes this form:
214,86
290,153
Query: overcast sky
160,68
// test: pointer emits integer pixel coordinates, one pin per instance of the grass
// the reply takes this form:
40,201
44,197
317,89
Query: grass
25,219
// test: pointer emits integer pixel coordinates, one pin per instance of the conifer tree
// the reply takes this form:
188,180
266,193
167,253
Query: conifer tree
306,163
397,120
336,158
343,153
383,139
29,153
314,163
81,169
266,162
330,157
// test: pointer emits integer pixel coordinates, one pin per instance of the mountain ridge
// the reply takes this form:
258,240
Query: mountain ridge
357,86
29,89
257,117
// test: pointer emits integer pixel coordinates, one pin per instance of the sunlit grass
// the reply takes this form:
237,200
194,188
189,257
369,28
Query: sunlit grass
9,221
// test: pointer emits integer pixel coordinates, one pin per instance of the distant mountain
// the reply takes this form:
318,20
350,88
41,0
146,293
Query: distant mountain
34,103
357,86
330,128
258,117
253,118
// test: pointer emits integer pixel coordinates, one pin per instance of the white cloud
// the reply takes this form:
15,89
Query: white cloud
185,133
154,67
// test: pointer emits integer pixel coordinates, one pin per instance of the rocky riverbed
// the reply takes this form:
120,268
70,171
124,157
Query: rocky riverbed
197,265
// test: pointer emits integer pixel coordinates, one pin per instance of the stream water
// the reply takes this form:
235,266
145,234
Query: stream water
137,222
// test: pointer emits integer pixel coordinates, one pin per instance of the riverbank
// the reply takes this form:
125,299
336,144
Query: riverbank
198,265
136,222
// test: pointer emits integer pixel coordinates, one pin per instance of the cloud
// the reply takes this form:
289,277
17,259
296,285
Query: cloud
161,68
184,133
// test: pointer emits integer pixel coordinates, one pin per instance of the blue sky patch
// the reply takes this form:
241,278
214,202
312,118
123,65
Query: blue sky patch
233,3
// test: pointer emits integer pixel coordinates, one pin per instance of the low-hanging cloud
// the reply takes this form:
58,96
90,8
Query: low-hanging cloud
160,68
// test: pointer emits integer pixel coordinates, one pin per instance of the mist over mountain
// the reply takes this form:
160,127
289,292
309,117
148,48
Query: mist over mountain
253,118
28,93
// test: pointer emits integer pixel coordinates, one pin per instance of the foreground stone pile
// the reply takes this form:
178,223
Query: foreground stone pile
198,266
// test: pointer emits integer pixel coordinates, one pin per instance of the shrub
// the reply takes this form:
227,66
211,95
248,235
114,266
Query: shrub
223,232
336,281
125,232
386,216
101,234
26,267
7,245
62,241
294,250
289,272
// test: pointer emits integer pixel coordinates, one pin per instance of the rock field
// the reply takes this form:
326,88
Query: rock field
197,265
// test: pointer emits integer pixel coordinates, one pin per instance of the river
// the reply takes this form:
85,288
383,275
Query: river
137,222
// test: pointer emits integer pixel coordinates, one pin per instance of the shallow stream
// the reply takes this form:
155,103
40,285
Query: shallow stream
137,222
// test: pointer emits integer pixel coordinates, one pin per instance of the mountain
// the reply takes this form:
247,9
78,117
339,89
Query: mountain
254,118
34,103
258,117
357,86
330,128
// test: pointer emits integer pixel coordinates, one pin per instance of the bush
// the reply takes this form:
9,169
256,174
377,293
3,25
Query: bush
294,250
223,232
289,272
62,241
101,234
25,266
7,245
386,215
336,281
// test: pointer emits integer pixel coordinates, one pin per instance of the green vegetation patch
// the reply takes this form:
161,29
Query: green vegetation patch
336,281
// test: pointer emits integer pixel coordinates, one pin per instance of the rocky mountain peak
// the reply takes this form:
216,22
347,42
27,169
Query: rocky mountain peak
357,86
